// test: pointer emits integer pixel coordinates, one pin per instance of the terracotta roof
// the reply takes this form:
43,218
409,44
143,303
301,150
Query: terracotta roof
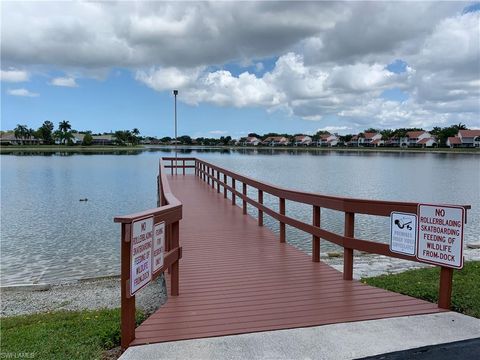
301,137
369,135
378,141
454,140
325,136
415,134
425,140
354,137
252,138
469,133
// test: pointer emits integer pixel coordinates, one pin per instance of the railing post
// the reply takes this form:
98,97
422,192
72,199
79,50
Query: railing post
127,301
233,189
260,212
244,202
213,178
225,186
171,164
208,175
347,252
282,224
203,173
445,290
218,182
316,239
174,278
183,164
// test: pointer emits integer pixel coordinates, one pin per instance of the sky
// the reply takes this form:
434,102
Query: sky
240,67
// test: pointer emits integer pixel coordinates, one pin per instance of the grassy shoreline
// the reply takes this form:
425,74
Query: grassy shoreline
95,334
423,284
139,148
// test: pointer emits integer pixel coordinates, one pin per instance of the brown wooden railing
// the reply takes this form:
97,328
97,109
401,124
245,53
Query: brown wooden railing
169,210
226,179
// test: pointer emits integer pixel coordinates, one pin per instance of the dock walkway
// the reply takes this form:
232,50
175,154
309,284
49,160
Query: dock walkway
236,277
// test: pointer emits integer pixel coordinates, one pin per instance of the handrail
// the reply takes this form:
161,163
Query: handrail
169,211
211,174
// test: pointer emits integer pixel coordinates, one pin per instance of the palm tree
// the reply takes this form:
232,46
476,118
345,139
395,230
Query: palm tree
21,132
64,126
135,131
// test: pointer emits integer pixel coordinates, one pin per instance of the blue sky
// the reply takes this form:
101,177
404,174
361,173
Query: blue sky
410,64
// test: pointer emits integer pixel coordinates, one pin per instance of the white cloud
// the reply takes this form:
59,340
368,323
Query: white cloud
218,132
22,92
64,81
335,129
331,57
13,75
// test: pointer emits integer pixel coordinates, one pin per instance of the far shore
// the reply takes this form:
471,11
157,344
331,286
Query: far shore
139,148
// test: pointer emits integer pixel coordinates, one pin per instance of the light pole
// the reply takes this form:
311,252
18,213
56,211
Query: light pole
175,93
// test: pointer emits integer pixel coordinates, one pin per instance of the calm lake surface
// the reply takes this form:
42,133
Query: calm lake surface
48,235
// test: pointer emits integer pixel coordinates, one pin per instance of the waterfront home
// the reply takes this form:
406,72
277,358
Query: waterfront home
469,138
366,139
353,141
9,138
250,141
96,139
328,140
454,141
370,139
275,141
302,140
414,138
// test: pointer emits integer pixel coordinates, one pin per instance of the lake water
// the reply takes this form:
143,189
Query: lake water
48,235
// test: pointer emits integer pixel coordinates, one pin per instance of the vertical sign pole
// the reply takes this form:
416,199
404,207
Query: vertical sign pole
445,291
127,301
260,212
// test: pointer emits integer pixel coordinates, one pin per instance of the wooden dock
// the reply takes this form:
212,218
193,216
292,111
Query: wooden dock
236,277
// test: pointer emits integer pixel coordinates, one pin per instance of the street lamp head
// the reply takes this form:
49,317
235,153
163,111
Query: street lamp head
175,92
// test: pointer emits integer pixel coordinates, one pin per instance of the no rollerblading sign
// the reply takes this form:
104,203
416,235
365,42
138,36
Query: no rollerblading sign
440,235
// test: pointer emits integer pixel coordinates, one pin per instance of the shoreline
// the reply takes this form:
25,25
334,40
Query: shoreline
104,292
141,148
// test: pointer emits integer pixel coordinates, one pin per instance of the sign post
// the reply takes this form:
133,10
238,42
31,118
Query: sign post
403,233
440,235
141,254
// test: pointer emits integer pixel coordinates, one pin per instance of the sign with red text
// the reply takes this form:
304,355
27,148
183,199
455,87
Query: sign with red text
158,245
440,235
141,254
403,233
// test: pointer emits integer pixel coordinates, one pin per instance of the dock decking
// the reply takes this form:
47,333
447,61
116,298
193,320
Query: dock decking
236,277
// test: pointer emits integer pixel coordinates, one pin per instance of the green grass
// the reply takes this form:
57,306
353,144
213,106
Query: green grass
423,284
63,334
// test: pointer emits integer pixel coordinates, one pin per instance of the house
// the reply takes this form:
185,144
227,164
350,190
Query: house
454,141
275,141
9,138
328,140
427,142
96,139
302,140
353,141
469,138
251,141
413,138
370,139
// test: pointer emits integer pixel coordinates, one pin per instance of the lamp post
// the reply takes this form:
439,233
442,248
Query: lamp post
175,93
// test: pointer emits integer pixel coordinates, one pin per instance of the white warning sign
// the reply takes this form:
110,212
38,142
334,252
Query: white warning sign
403,233
440,235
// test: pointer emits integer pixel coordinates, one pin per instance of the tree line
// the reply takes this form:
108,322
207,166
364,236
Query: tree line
64,134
